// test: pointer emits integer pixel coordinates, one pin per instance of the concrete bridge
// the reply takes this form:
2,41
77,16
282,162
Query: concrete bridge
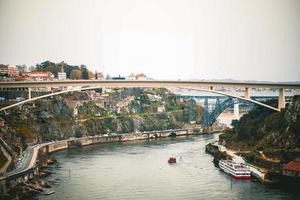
207,86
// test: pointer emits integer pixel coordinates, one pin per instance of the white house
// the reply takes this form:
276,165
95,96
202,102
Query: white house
131,77
141,77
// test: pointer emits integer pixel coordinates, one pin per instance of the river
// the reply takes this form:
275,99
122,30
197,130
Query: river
140,171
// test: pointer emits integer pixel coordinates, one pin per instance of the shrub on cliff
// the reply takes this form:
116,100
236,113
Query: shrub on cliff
264,128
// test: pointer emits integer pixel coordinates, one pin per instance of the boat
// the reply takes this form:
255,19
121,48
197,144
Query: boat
235,170
173,134
172,160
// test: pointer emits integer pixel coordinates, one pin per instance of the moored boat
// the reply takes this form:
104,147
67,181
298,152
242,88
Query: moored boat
172,160
236,170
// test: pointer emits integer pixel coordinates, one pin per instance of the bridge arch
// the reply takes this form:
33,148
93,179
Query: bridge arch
234,96
97,87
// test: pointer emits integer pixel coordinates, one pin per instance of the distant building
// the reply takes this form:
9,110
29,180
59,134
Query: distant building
141,77
100,76
38,75
161,108
118,78
292,169
3,70
62,75
154,97
131,77
12,71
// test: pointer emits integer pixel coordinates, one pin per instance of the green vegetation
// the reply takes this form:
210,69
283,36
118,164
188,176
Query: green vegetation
276,134
72,71
123,111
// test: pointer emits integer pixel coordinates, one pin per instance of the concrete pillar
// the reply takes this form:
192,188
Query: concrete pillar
29,93
206,104
247,92
236,111
281,99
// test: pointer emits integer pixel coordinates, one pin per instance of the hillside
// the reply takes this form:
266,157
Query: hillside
273,138
117,111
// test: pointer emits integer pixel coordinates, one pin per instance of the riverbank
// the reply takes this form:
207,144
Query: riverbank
41,152
220,152
266,176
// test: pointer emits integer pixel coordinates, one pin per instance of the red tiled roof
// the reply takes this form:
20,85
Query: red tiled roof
141,75
100,75
292,166
37,72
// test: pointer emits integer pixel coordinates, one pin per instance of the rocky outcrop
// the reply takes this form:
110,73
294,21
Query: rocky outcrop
53,118
275,134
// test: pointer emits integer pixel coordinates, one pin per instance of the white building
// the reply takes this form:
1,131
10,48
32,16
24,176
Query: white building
61,75
131,77
141,77
161,108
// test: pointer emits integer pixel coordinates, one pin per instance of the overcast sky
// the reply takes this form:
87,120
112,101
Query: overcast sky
166,39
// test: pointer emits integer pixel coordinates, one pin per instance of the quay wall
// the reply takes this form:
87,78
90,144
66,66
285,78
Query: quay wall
56,146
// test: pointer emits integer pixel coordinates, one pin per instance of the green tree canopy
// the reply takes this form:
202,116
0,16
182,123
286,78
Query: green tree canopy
76,74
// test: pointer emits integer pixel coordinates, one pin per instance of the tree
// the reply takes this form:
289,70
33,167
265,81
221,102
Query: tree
85,72
91,75
47,66
76,74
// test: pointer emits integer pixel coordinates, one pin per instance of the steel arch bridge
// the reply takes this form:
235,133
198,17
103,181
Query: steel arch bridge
220,106
211,117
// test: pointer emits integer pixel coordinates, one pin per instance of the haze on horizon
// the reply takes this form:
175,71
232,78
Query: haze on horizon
165,39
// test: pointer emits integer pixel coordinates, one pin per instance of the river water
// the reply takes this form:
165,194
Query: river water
140,171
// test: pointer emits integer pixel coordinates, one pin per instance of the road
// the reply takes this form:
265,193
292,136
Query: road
28,161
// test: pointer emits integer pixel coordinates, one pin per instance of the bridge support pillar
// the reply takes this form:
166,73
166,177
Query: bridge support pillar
236,111
247,92
281,99
29,93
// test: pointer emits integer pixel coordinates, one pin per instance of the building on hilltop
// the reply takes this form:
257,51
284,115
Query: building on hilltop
62,75
38,75
9,71
131,77
13,71
141,77
99,76
118,78
3,70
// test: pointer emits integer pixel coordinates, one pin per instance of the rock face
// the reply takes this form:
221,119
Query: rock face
125,110
275,134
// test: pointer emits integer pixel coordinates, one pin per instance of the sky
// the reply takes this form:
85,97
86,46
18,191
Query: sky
165,39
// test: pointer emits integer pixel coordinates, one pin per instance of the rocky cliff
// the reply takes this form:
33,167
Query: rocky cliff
273,138
93,113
